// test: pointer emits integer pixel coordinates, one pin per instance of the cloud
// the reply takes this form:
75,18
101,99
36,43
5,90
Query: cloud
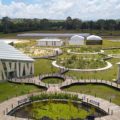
60,9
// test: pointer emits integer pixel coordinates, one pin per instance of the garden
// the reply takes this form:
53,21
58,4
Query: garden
79,62
57,106
85,49
65,110
31,49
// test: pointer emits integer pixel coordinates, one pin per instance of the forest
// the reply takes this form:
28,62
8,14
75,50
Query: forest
8,25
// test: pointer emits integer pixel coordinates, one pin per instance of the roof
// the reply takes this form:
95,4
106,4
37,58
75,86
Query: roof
77,37
8,52
52,34
9,40
94,37
47,39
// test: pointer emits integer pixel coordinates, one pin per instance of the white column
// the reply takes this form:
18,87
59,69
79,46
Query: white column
17,69
22,67
32,68
10,68
2,72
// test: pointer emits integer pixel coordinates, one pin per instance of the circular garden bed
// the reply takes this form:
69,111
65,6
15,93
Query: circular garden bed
81,63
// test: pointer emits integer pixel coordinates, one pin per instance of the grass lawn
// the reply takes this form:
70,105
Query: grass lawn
107,43
113,51
9,90
44,66
84,49
58,110
52,80
100,91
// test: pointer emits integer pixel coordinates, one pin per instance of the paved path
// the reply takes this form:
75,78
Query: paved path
85,53
112,109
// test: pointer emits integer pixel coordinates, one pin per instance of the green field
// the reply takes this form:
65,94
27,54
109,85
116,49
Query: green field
9,90
44,66
98,90
113,51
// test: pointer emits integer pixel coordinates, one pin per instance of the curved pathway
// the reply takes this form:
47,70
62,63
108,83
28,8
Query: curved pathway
109,65
85,53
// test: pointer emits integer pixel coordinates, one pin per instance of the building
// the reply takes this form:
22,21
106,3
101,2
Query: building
14,63
76,40
94,40
52,34
50,42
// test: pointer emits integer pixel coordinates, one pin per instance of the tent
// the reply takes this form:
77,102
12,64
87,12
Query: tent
76,40
94,40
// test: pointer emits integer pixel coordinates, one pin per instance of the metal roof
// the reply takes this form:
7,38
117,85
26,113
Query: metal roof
94,37
49,40
8,52
77,37
52,34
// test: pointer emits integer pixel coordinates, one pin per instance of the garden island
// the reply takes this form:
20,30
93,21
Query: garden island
58,74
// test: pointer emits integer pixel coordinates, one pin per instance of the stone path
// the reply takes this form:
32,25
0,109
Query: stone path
112,109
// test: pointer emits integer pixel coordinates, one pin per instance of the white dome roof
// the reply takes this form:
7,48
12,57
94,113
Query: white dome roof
77,37
94,37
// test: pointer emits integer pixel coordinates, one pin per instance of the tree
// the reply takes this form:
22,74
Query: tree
101,24
44,24
76,23
6,22
69,23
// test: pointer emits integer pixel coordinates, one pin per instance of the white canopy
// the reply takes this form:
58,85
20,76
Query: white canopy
76,40
94,37
77,37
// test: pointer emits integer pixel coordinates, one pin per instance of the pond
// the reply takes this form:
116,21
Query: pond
56,109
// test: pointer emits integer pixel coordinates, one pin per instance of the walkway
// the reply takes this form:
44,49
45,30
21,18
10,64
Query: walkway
109,65
112,109
85,53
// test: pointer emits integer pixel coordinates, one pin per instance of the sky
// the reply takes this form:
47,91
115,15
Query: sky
60,9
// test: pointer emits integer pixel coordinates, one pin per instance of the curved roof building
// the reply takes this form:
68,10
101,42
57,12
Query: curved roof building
94,40
76,40
94,37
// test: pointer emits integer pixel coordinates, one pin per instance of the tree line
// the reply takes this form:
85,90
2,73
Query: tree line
8,25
